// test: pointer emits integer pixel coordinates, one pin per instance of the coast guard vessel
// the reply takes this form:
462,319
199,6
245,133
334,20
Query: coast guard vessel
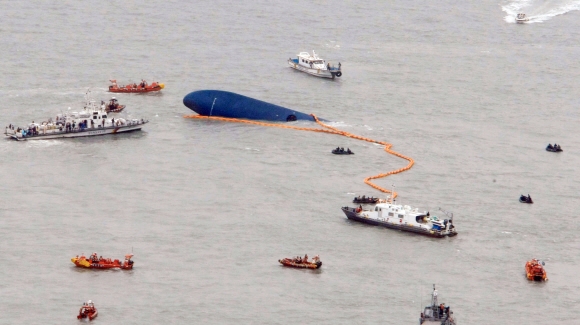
91,121
403,217
314,65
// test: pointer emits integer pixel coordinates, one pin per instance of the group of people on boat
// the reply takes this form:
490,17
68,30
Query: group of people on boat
365,199
555,147
341,150
526,199
88,310
299,259
442,313
113,105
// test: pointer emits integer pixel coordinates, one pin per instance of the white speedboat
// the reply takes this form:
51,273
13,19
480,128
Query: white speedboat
521,18
314,65
436,313
91,121
403,217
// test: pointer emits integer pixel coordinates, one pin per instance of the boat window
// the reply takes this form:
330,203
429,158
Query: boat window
318,62
94,117
401,216
376,209
104,116
391,214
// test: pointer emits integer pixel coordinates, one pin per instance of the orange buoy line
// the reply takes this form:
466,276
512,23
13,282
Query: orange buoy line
331,130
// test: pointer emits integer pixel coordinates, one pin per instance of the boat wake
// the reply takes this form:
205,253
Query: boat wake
538,11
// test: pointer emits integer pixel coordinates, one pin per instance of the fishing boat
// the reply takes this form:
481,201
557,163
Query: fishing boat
92,120
142,87
113,106
535,270
521,18
526,199
404,218
341,151
88,310
436,313
100,263
314,65
302,263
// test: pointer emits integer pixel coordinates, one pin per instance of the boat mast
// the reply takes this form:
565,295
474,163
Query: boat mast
434,297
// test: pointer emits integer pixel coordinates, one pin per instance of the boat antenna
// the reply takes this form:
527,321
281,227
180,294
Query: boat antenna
447,213
393,194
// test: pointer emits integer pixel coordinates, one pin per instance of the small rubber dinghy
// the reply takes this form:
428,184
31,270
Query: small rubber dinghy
302,263
367,200
535,270
554,148
113,106
526,199
88,310
341,151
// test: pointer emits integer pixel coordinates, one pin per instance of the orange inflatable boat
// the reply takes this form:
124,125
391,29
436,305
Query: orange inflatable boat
302,263
535,270
88,310
142,87
94,262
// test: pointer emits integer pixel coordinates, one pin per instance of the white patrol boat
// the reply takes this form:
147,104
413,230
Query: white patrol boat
91,121
521,18
314,65
403,217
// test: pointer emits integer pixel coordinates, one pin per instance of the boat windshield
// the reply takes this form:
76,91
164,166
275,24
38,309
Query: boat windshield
318,62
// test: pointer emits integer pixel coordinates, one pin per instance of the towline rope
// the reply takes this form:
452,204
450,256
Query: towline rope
330,130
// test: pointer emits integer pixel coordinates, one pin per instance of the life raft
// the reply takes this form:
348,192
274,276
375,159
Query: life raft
143,87
535,271
300,264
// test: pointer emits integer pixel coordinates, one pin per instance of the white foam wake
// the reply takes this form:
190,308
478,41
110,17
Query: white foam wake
538,11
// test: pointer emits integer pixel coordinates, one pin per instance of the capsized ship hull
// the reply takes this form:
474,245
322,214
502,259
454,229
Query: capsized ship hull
232,105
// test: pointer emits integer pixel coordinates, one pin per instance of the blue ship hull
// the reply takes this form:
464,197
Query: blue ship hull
228,104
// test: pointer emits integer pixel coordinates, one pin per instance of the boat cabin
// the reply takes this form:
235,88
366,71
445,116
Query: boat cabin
311,61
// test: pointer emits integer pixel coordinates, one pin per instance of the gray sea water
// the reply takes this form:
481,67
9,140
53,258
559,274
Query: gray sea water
209,207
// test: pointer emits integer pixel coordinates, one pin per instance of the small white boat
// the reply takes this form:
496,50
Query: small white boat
314,65
521,18
404,218
91,121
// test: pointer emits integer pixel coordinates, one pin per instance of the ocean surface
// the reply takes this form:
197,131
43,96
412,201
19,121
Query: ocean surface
209,207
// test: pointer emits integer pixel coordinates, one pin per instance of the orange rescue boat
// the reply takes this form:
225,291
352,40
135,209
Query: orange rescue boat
88,310
94,262
302,263
535,270
142,87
